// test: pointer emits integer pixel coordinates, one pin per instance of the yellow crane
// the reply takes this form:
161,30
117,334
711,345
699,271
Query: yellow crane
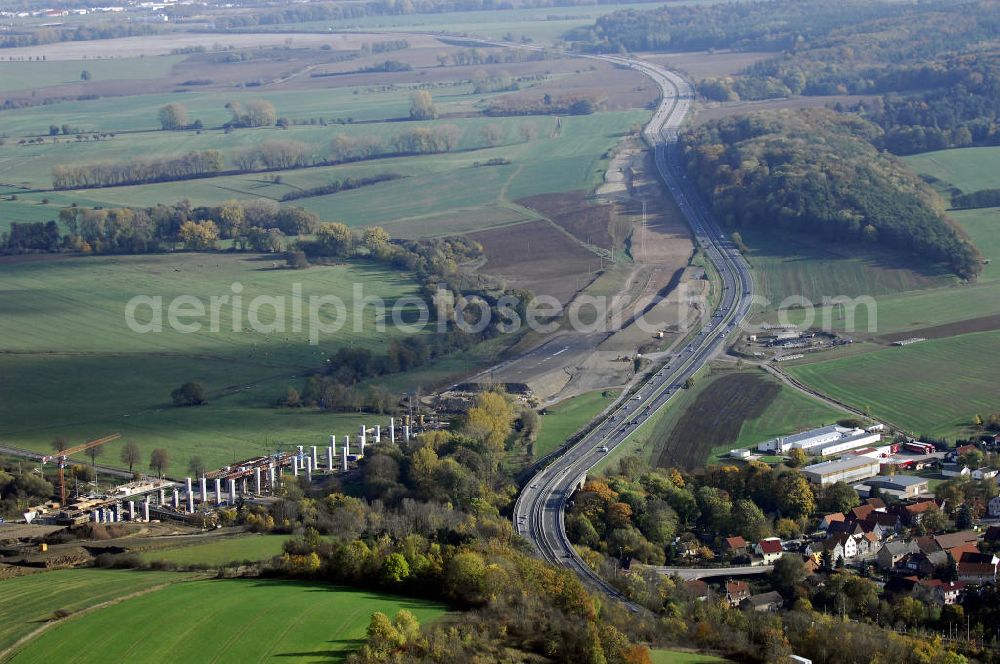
60,457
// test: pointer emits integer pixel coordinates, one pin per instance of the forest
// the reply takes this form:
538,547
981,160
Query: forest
933,65
769,25
817,173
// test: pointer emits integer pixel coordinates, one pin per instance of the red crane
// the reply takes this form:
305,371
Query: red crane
61,457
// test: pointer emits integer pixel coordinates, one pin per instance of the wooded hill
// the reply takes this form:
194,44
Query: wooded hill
817,173
935,64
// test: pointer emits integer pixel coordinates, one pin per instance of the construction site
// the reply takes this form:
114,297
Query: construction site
194,500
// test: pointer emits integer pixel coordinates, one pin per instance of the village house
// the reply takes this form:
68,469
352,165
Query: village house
984,473
844,546
892,553
764,602
949,541
955,470
736,592
698,589
769,550
734,547
925,564
994,507
978,568
960,451
942,592
882,524
829,519
912,514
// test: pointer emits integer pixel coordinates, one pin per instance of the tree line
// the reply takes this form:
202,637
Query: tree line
53,35
976,199
546,105
817,172
271,155
138,171
257,225
336,186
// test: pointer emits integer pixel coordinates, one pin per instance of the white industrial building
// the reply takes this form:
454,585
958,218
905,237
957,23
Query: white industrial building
849,469
824,441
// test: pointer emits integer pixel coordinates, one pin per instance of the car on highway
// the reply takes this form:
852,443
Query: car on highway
603,449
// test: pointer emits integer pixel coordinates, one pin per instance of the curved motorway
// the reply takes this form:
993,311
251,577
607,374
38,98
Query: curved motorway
539,511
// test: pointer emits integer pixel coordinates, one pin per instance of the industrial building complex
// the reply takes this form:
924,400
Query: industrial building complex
825,441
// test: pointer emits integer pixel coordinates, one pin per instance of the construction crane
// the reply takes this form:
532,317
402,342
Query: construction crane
60,457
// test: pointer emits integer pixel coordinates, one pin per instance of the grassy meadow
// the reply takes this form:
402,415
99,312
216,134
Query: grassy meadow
73,367
219,550
39,74
567,417
223,620
662,656
26,602
441,194
933,387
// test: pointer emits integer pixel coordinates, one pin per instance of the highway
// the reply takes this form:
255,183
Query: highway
539,511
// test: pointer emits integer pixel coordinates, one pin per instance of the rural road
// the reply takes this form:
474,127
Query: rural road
539,511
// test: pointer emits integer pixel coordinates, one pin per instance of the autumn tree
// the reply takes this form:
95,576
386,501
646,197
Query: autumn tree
795,496
422,106
256,113
159,461
334,239
528,131
199,235
232,218
173,116
93,453
797,457
490,422
130,455
59,443
749,520
375,238
492,134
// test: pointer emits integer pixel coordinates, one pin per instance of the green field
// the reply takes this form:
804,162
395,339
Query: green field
442,194
564,419
795,268
220,550
73,367
933,387
35,74
983,225
27,602
224,621
661,656
936,386
969,169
